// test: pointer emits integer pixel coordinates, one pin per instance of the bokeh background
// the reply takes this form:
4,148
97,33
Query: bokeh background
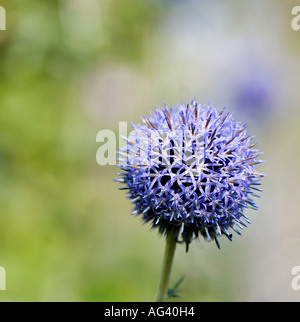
71,68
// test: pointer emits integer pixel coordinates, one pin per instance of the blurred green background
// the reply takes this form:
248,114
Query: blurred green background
71,68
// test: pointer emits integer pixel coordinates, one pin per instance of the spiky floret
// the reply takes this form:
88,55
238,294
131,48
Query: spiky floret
191,170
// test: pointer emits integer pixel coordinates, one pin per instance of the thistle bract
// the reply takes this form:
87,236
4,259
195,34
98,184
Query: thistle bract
191,170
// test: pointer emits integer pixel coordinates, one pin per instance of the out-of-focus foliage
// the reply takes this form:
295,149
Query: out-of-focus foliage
70,68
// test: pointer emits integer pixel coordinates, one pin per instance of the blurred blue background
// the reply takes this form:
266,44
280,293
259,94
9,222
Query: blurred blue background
70,68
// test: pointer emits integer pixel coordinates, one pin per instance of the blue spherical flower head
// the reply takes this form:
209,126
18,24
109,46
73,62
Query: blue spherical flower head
191,170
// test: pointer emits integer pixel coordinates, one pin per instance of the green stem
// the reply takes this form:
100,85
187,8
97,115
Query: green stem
166,267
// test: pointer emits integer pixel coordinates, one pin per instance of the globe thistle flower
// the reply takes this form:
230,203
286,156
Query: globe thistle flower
191,170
